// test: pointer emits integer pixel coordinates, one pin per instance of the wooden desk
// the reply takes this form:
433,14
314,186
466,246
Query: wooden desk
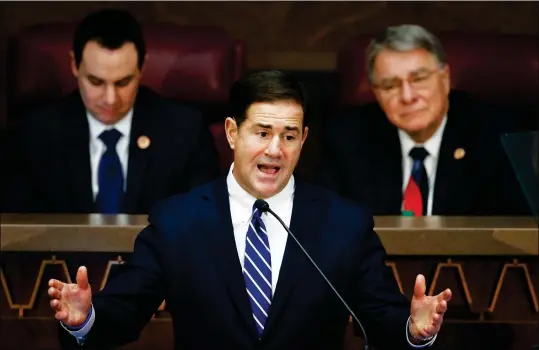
400,235
491,264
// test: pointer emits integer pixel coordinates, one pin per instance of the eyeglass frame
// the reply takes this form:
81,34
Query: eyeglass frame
414,84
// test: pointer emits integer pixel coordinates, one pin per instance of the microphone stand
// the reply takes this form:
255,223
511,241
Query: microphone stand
264,206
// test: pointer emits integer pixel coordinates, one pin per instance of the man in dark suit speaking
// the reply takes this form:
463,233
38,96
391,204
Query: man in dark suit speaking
231,276
112,146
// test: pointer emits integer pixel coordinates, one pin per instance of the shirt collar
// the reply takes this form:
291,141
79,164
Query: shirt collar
241,196
432,145
123,125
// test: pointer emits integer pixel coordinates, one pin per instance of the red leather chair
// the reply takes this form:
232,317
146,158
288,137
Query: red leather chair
3,82
497,68
192,64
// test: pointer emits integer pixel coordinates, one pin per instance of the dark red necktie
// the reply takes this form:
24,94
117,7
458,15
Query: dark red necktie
417,190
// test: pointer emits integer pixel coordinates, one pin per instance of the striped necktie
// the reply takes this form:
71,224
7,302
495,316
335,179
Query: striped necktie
257,269
417,191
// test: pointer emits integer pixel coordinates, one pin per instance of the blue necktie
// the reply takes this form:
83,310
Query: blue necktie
110,175
257,270
419,174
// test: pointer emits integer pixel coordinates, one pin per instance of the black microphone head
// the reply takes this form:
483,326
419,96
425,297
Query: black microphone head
262,205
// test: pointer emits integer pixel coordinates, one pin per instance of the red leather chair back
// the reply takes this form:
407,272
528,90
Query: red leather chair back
186,63
497,68
192,64
3,82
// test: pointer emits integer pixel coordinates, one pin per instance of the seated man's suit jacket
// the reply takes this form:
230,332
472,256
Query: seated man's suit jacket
363,161
187,255
53,160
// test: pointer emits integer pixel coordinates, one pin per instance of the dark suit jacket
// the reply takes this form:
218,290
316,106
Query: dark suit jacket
188,256
362,161
53,160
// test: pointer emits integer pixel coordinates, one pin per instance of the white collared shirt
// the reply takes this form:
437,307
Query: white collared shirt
97,146
432,146
241,208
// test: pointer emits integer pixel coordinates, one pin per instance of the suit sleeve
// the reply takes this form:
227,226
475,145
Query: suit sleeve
21,194
203,164
333,152
130,298
382,308
502,184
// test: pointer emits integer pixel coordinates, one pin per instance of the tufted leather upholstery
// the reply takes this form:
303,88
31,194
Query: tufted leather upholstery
3,82
498,68
185,63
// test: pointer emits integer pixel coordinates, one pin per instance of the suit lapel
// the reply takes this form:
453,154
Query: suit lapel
306,225
390,170
77,153
384,166
219,234
138,157
450,170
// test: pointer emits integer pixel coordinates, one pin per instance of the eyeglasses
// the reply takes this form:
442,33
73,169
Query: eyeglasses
417,80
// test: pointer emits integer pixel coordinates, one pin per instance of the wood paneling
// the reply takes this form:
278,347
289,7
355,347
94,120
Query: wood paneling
480,316
494,304
297,35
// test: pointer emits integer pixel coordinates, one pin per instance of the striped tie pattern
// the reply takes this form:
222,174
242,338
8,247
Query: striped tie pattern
257,269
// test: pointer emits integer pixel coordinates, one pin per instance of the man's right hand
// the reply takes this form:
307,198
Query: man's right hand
71,302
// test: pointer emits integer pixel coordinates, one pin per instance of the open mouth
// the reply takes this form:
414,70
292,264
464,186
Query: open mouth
269,169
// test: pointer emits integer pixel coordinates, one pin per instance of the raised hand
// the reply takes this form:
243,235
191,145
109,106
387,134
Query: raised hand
71,301
427,312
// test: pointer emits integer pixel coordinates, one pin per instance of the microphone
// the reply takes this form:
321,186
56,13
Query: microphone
263,206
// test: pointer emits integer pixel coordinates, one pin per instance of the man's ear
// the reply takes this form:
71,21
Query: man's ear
446,77
231,130
142,68
74,68
305,133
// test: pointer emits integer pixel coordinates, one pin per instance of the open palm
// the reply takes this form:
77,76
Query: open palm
427,312
71,301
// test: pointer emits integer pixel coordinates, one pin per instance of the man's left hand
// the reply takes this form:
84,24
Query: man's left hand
427,312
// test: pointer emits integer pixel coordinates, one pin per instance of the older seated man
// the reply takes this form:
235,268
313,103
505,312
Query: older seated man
422,149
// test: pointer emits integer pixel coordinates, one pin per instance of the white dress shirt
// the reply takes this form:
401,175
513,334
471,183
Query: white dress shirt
241,207
97,146
432,146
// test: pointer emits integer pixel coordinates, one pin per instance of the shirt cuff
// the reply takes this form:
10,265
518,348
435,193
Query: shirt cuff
427,342
81,331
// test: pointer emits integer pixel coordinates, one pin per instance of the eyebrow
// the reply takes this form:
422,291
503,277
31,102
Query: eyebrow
262,125
421,70
415,71
268,126
129,77
292,128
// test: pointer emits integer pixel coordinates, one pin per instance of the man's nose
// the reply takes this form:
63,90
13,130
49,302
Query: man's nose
110,95
407,93
274,147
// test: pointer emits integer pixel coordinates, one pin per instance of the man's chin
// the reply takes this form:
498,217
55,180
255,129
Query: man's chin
267,190
108,118
414,127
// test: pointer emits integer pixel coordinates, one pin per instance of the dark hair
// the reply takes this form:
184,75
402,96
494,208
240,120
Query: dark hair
265,86
111,29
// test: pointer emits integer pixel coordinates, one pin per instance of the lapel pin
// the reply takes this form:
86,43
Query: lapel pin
143,142
459,153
